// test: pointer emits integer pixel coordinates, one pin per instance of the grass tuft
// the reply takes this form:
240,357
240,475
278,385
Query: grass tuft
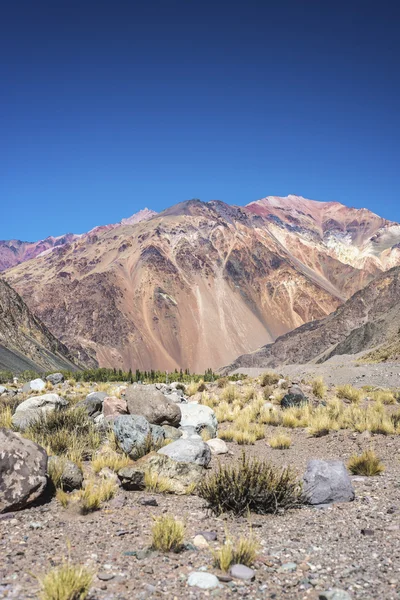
367,464
168,534
280,441
241,551
66,582
319,388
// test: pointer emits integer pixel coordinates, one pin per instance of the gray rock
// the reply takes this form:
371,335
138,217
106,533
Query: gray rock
55,378
132,478
335,594
25,418
135,435
188,451
171,433
327,481
149,402
188,431
93,403
36,385
217,446
44,403
72,477
181,476
242,572
3,390
23,466
294,397
203,580
289,567
199,416
174,397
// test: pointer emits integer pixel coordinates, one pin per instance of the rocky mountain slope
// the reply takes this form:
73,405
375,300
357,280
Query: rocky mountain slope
201,283
368,319
25,343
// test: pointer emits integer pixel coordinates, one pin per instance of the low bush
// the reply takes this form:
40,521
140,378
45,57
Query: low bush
367,464
319,388
269,378
252,485
348,392
168,534
66,582
241,551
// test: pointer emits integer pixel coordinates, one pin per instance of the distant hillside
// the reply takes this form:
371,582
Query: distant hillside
25,343
369,319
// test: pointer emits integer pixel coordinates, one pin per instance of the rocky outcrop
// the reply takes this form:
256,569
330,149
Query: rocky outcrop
202,283
23,466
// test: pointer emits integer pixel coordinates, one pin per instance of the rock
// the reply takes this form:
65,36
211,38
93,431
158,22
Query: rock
217,446
335,594
327,481
135,435
72,477
210,536
148,502
171,433
3,390
113,406
36,385
149,402
268,406
23,466
34,408
188,451
200,417
174,397
242,572
132,478
93,403
289,567
189,432
181,476
55,378
294,397
200,542
203,580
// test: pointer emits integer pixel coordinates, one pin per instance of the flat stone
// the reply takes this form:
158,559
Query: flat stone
334,594
200,542
242,572
289,567
202,580
105,576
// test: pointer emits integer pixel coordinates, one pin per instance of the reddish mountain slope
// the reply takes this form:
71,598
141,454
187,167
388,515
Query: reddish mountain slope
201,283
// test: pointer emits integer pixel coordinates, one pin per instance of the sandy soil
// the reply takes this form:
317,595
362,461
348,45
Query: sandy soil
353,546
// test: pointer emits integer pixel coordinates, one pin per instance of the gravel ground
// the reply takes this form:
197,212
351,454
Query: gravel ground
353,546
340,370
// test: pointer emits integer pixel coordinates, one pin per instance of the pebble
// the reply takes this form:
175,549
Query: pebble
334,595
242,572
288,568
148,502
200,542
105,576
204,581
210,536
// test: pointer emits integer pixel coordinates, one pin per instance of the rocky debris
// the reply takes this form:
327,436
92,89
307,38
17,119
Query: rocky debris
72,476
172,433
93,403
148,401
327,481
132,478
334,595
35,408
113,406
135,434
173,392
203,580
55,378
36,385
188,451
23,466
217,446
242,572
294,397
199,416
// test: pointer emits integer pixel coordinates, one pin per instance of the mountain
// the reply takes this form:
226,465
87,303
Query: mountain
15,252
201,283
25,343
369,319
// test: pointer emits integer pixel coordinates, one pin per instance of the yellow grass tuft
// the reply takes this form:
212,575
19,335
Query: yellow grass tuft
367,464
236,551
5,416
168,534
66,582
280,441
319,388
111,460
155,483
348,392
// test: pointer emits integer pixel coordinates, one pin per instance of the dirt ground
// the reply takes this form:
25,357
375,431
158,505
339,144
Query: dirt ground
353,546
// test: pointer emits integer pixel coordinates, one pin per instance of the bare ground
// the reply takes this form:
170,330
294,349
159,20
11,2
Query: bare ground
353,546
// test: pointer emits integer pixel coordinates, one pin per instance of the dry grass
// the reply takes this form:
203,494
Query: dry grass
384,396
348,392
5,416
62,497
66,582
156,484
280,441
367,464
269,378
111,460
241,551
167,534
319,388
95,493
191,388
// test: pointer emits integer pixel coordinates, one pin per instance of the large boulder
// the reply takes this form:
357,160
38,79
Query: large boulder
55,378
136,436
36,385
188,451
113,406
171,433
294,397
149,402
327,481
33,409
200,417
71,474
93,403
182,477
23,466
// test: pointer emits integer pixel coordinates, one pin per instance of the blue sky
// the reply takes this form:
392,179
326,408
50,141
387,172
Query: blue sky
107,107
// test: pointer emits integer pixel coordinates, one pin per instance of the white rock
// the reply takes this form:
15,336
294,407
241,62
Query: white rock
217,446
204,581
200,417
36,385
44,403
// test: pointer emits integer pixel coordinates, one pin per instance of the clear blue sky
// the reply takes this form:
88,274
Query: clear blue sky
110,106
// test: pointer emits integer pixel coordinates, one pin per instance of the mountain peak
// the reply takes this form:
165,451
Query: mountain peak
142,215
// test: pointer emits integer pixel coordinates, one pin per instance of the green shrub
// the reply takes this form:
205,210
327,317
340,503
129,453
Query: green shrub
252,485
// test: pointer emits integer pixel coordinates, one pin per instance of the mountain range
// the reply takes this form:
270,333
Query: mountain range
200,283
